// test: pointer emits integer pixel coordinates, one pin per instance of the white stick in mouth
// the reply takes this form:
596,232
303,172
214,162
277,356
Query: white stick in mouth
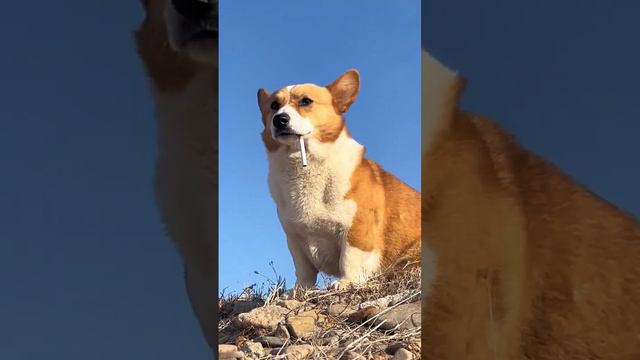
303,151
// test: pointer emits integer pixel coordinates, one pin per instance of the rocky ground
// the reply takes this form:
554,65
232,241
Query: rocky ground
379,320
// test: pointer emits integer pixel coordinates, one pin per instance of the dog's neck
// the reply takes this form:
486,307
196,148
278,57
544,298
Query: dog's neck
308,192
190,112
329,170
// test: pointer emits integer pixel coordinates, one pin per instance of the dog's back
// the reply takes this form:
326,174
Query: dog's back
529,263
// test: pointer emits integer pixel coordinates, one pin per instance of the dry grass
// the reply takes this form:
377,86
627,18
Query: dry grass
356,336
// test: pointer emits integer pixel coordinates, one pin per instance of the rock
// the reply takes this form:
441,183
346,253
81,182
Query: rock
301,326
331,338
330,341
340,309
381,357
403,354
352,355
389,300
252,349
304,324
229,352
405,297
405,317
363,314
227,348
239,340
315,314
236,355
240,307
380,348
298,352
282,332
270,341
393,348
341,354
290,304
265,317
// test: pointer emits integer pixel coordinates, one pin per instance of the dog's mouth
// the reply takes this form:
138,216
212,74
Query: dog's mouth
285,133
289,135
197,31
193,25
203,35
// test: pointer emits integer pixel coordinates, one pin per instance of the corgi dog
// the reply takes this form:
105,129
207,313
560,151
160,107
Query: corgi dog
178,44
519,260
343,214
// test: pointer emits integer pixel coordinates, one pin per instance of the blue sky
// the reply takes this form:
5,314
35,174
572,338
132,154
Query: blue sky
86,271
563,78
269,46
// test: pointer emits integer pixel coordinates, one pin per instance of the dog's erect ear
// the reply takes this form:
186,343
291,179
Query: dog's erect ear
345,90
441,93
263,96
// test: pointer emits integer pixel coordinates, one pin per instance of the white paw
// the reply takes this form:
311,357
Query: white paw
342,284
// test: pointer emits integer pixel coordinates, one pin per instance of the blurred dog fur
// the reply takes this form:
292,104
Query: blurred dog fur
178,44
519,260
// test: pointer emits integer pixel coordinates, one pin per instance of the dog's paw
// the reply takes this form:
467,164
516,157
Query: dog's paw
342,284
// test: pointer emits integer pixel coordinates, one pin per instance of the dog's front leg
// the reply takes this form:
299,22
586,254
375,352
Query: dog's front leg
306,272
356,265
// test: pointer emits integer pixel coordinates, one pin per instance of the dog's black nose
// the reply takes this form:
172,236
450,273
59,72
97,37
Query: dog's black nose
194,9
280,121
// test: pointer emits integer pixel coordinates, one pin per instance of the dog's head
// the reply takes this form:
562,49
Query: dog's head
178,37
307,110
189,27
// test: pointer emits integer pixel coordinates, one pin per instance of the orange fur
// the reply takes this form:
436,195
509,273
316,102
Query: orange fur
530,264
388,216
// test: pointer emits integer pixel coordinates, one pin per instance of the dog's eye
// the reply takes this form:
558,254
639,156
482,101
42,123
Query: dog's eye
305,101
275,105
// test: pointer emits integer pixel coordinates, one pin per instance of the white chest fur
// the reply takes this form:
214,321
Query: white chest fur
310,200
186,171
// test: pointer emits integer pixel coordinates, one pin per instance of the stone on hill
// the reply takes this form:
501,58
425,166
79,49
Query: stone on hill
252,349
402,317
304,324
265,317
298,352
403,354
229,352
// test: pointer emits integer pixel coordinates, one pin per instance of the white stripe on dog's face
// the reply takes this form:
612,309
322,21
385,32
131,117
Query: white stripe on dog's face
298,124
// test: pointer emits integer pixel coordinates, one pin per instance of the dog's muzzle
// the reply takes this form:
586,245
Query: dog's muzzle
195,10
200,18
